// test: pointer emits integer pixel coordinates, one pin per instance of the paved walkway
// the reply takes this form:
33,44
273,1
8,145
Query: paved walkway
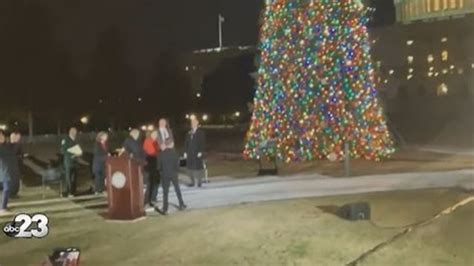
226,192
448,150
278,188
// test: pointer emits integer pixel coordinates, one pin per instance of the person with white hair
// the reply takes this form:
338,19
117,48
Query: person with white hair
133,147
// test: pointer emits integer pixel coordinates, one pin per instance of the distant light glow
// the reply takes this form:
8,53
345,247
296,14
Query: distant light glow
409,42
442,89
84,120
444,55
391,71
430,58
410,59
444,39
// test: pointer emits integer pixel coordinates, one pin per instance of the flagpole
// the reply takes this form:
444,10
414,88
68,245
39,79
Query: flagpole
220,18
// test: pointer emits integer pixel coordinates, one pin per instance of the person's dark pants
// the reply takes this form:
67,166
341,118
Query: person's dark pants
151,180
99,178
151,175
70,178
165,182
14,185
196,175
5,194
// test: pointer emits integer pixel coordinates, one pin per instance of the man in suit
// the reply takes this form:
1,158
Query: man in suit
164,133
194,152
168,163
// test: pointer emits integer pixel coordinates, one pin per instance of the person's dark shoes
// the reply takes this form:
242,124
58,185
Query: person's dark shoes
182,207
199,185
162,212
191,185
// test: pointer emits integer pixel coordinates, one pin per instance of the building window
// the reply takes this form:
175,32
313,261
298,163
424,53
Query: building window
445,4
461,3
444,55
436,5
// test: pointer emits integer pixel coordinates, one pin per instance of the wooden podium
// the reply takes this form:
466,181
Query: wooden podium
124,189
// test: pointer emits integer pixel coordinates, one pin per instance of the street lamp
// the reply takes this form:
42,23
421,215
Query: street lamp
237,114
205,117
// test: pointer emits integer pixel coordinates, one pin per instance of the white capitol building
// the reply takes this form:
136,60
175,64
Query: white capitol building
414,10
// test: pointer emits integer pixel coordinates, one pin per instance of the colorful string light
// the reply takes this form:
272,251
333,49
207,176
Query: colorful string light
316,87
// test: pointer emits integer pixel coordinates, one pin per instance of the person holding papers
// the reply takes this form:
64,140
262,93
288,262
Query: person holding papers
70,150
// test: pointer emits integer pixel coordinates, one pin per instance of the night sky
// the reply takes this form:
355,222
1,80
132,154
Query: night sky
150,26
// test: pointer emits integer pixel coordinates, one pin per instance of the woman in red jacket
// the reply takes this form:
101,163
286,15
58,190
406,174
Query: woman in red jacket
151,148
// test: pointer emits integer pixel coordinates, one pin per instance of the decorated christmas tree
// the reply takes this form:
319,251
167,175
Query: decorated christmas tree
316,85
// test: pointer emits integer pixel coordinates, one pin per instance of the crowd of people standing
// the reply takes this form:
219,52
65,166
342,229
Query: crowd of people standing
156,154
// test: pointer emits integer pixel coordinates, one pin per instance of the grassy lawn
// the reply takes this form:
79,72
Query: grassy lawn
292,232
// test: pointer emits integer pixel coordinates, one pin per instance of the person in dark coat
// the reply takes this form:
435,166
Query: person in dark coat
194,152
69,160
168,163
7,157
101,152
14,164
134,148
